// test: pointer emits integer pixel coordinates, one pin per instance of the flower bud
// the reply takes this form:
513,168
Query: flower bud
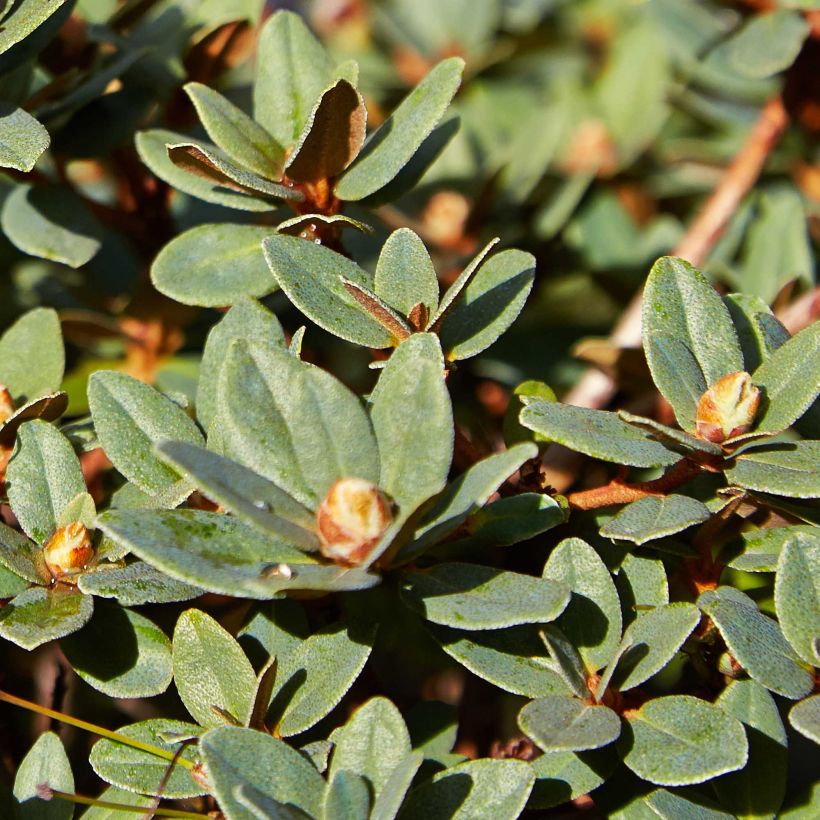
68,551
728,407
352,518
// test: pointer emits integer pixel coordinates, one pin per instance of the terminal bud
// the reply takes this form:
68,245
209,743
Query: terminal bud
728,408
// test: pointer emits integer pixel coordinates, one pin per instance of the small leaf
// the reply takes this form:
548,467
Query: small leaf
516,518
45,763
488,305
135,584
468,596
114,795
371,744
563,776
214,265
680,304
788,469
679,740
24,138
293,423
405,276
566,724
347,796
247,319
43,477
25,20
332,136
304,225
674,439
805,717
790,381
153,151
11,584
386,806
756,642
797,597
140,771
566,660
476,788
262,806
120,653
757,790
759,550
655,517
641,582
32,359
210,164
51,222
242,139
130,418
37,616
595,433
393,144
413,420
651,641
759,331
21,556
211,670
292,70
392,322
312,278
768,43
592,619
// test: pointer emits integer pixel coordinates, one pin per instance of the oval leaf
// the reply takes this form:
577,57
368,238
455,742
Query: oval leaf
566,724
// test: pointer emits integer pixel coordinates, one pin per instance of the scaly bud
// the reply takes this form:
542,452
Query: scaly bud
351,520
68,551
728,407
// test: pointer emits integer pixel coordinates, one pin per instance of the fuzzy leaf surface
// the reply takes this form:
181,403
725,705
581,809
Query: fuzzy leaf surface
46,762
135,584
38,616
797,597
788,469
32,358
805,717
405,276
565,724
24,138
655,517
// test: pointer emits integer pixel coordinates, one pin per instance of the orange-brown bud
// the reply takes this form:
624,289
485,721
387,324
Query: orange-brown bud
728,408
68,551
7,407
351,520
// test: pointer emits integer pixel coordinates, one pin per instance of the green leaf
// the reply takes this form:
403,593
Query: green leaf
209,163
274,630
788,469
405,276
38,616
641,582
679,740
243,492
211,670
262,806
512,659
768,43
515,518
21,556
47,408
214,265
24,138
135,584
790,381
304,225
311,277
293,423
347,797
114,795
674,439
595,433
465,496
46,763
655,517
468,596
797,596
759,550
130,417
11,584
247,319
756,642
563,776
757,790
81,508
21,21
559,723
152,150
43,477
312,681
566,660
332,136
386,806
292,70
592,619
242,139
476,788
413,421
372,743
651,641
759,331
140,771
32,359
805,717
221,554
488,305
120,653
398,138
679,304
51,222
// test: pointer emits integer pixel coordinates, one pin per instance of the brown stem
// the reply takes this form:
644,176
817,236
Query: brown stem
704,571
620,492
595,389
